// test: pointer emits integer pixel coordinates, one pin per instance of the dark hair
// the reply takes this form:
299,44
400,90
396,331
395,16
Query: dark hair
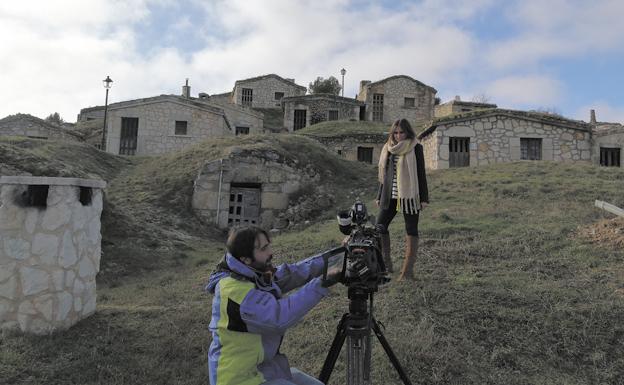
241,241
405,126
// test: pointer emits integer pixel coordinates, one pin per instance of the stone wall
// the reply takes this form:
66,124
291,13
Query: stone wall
277,182
49,256
395,89
496,138
239,116
458,107
347,146
317,109
264,89
156,133
33,127
611,138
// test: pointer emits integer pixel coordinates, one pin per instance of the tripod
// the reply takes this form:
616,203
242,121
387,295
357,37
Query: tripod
356,326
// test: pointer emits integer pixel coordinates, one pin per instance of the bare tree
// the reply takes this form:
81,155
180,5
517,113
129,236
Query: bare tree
481,98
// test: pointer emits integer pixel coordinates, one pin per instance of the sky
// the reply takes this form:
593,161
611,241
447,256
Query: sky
562,56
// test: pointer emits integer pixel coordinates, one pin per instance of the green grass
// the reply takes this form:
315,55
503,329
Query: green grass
506,292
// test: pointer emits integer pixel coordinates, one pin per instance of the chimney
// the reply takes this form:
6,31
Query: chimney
186,90
203,95
592,116
457,98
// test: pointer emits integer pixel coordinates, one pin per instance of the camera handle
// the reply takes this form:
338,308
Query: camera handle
357,325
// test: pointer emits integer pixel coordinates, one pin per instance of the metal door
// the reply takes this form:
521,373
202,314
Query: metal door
128,139
244,206
459,152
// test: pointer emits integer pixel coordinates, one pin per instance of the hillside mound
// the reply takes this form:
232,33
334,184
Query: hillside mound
341,129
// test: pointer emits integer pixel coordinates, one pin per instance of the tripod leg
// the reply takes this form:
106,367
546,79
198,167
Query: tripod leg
334,351
358,358
390,353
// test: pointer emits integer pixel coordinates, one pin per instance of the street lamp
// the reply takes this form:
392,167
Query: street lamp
107,84
343,72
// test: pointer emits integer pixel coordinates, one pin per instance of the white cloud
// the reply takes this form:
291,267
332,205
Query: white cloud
531,91
558,29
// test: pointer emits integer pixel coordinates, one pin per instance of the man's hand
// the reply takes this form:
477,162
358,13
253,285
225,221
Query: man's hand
423,205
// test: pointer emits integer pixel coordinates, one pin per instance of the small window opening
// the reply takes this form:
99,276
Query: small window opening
35,196
86,194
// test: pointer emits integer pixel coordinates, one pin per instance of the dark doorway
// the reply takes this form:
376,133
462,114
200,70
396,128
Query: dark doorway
365,154
300,119
459,152
128,139
244,204
362,113
610,157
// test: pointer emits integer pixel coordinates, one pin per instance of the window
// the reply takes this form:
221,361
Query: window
242,130
409,102
332,115
244,207
378,100
365,154
531,148
300,119
459,152
129,135
35,196
610,157
85,195
181,127
279,95
247,97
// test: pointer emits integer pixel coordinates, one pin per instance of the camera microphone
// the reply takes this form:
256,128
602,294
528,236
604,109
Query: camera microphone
344,222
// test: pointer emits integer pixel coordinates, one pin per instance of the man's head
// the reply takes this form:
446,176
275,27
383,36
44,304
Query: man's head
252,246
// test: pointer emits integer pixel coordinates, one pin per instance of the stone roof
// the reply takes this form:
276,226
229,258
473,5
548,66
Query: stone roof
470,104
401,76
331,97
262,77
604,129
555,120
41,122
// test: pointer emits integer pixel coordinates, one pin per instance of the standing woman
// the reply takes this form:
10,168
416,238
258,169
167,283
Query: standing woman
403,187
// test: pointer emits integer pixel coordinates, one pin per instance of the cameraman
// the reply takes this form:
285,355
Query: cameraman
250,314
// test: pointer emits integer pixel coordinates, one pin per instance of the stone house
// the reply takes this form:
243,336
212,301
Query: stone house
396,97
458,106
50,247
33,127
168,123
306,110
265,91
608,144
248,188
496,135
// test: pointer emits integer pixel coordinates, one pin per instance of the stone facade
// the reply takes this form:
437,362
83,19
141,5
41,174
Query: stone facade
157,123
320,108
403,97
497,136
266,175
33,127
239,116
459,107
266,91
611,138
49,251
358,147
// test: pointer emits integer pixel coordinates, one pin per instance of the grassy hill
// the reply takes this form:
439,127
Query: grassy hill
510,288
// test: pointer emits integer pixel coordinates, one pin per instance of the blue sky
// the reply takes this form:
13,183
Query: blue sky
564,56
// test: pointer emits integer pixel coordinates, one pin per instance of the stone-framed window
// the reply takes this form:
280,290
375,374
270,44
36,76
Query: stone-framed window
300,119
247,97
531,148
279,95
85,195
409,102
378,102
332,115
459,152
610,156
240,130
181,127
365,154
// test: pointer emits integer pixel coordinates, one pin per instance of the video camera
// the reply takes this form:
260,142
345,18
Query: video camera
358,262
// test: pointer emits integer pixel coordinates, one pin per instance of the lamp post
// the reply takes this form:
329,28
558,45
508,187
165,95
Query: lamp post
343,72
107,84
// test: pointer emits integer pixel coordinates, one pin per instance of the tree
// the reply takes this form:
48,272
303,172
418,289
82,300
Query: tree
481,98
55,118
330,85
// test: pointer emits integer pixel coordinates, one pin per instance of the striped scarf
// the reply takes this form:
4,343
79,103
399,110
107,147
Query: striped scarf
407,176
